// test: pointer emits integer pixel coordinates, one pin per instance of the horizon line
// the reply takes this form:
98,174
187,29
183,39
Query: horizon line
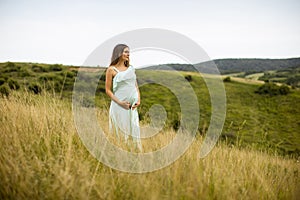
228,58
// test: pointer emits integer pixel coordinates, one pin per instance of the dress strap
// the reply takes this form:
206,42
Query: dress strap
115,69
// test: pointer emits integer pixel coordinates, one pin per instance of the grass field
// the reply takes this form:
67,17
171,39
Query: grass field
267,122
42,157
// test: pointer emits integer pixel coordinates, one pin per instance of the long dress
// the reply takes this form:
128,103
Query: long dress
121,120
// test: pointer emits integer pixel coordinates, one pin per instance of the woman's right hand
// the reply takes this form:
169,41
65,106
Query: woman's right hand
125,105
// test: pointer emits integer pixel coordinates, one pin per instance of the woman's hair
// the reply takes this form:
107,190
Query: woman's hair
117,53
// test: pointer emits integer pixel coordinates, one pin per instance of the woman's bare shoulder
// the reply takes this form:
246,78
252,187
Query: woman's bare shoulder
110,69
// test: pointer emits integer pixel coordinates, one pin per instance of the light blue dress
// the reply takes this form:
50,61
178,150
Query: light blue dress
121,120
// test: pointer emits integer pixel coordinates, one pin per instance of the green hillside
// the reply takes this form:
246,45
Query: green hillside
232,65
263,121
257,65
289,76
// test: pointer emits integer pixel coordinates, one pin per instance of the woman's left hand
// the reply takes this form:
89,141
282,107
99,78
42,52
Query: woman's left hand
135,105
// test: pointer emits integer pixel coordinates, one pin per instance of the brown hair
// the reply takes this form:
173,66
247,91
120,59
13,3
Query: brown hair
117,53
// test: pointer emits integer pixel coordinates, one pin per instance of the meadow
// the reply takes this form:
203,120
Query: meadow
42,157
265,121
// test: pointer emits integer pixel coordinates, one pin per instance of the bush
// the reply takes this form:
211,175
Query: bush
67,74
103,76
75,72
51,77
293,81
12,67
24,72
55,67
35,88
227,79
13,84
273,89
4,90
37,68
70,74
4,76
2,81
69,85
284,90
188,78
57,86
46,77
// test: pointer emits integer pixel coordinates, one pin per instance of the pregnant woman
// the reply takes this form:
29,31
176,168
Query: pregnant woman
121,86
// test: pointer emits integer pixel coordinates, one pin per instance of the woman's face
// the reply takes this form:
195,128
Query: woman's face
125,54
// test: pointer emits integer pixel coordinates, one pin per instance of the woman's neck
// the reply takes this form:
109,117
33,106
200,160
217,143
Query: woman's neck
120,64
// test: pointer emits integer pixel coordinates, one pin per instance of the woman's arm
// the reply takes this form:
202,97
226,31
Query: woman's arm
108,86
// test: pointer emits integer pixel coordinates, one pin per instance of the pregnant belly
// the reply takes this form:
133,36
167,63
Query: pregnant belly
125,95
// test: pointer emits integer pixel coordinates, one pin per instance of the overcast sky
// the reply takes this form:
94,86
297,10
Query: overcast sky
68,31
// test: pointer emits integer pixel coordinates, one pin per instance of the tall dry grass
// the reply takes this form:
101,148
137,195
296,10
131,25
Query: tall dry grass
42,157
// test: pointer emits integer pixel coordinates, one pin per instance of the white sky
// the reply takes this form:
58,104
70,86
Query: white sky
68,31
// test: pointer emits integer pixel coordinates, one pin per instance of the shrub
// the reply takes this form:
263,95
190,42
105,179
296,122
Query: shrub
69,85
75,72
10,64
35,88
103,76
57,86
24,72
70,74
175,124
55,67
51,77
284,90
12,67
4,76
67,74
273,89
13,84
227,79
2,81
46,77
293,81
37,68
4,90
188,78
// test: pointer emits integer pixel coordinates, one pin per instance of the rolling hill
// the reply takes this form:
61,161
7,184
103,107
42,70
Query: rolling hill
234,65
266,121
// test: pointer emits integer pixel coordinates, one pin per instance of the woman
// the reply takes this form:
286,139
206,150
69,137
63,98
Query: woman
122,88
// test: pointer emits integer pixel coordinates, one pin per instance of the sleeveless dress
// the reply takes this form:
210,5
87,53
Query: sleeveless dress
121,120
